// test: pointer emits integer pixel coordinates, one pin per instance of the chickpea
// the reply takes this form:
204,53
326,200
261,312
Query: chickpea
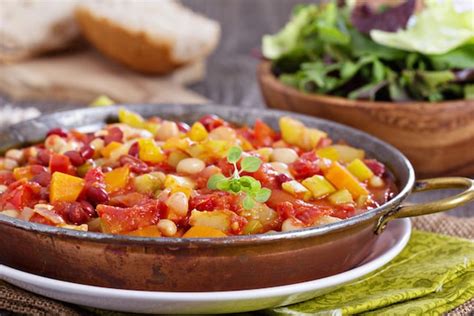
167,130
285,155
167,227
178,203
190,166
291,224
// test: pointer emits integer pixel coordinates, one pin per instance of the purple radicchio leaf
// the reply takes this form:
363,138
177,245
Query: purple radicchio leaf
365,19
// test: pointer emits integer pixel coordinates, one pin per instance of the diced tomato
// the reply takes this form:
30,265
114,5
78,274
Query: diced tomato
267,176
215,200
264,134
122,220
129,199
6,178
211,122
377,167
305,166
59,163
20,194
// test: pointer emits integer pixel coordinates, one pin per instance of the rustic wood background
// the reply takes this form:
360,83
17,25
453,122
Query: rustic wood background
231,70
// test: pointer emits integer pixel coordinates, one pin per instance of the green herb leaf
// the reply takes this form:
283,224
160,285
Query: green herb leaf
248,203
233,155
234,185
223,185
214,180
249,184
263,195
250,164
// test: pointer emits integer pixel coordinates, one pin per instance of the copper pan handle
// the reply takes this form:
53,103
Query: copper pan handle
410,210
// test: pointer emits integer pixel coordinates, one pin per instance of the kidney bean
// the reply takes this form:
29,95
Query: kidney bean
134,150
43,157
96,195
76,214
211,122
88,208
87,152
282,178
75,158
114,134
42,178
57,131
135,164
183,127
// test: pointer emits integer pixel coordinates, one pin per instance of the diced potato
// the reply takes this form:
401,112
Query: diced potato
107,150
291,130
253,227
175,157
348,153
341,197
147,183
311,138
203,232
116,179
265,153
358,168
147,231
297,189
179,184
65,187
216,219
83,227
325,219
318,186
341,178
198,132
149,151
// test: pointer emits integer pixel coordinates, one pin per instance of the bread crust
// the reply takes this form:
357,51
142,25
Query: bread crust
133,49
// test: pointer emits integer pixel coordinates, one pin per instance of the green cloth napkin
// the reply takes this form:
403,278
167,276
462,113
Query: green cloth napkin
432,275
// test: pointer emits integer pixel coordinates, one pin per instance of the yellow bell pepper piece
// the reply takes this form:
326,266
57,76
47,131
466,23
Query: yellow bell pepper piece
311,138
203,232
116,179
329,153
359,169
177,143
22,173
341,178
147,231
64,187
341,197
198,132
149,151
130,118
107,150
318,186
291,130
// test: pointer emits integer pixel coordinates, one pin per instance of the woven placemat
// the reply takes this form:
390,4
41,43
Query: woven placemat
15,300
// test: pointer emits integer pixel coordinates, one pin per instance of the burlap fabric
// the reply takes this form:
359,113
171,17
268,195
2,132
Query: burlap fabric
17,301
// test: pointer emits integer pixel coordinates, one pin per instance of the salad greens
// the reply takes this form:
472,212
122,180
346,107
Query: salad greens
347,51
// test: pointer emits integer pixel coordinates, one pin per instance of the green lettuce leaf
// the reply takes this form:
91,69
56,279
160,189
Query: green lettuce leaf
437,29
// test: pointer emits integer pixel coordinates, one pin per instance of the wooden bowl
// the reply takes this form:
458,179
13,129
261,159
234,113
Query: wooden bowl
438,138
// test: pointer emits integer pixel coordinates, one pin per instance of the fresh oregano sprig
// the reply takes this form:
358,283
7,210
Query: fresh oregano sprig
236,183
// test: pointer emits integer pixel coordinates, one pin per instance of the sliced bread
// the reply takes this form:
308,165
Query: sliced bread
147,36
31,27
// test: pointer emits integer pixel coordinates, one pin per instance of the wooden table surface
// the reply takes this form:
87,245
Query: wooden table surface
231,70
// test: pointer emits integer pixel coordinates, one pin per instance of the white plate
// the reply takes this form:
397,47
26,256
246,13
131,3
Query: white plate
388,246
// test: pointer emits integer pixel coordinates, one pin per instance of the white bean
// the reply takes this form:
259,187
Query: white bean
15,154
167,227
167,130
291,224
8,164
178,203
55,143
190,166
376,182
285,155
